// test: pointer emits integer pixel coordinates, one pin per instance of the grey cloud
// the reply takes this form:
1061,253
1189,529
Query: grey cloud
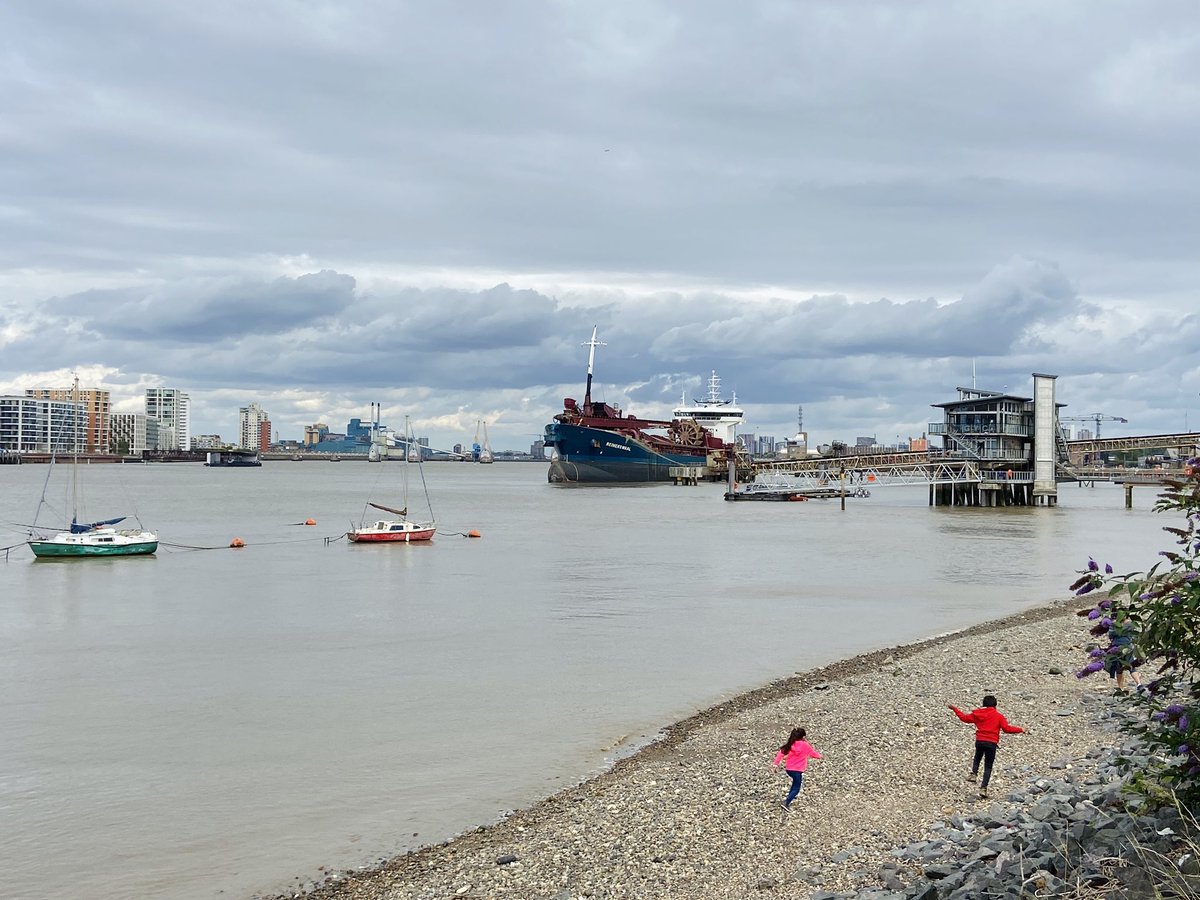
206,310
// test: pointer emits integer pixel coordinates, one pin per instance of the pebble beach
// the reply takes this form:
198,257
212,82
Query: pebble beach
697,813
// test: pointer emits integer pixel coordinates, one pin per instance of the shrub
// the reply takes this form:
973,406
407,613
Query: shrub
1160,608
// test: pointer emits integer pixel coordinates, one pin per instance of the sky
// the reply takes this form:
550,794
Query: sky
851,208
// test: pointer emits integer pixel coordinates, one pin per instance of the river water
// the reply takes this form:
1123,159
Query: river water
223,722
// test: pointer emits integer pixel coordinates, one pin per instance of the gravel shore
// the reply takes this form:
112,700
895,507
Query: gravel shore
697,814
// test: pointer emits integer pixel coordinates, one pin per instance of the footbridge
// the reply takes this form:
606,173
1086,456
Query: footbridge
951,481
965,476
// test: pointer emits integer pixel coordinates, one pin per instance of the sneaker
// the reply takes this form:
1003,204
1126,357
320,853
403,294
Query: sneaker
786,808
972,777
983,795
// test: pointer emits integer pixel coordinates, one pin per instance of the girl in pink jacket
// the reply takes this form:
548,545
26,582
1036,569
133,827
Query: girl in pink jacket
797,752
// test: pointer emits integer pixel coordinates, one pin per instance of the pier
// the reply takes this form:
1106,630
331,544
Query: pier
998,449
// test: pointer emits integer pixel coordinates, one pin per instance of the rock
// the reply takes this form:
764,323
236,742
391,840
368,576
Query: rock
506,860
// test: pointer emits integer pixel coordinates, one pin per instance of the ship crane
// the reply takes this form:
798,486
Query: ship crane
1095,418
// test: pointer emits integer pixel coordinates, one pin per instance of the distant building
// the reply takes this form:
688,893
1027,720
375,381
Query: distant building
537,449
133,433
358,430
797,447
254,428
172,409
95,403
207,442
314,434
35,425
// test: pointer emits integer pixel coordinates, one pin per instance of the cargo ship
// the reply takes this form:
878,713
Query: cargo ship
595,443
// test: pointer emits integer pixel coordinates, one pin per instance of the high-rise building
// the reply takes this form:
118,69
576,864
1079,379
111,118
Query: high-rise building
314,434
95,403
255,428
33,425
133,433
172,409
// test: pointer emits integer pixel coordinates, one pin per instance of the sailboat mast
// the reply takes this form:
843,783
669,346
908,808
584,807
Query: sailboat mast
75,451
591,345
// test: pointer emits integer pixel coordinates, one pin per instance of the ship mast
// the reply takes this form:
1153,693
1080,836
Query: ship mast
591,345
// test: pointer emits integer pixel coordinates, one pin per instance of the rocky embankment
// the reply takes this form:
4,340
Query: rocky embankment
889,812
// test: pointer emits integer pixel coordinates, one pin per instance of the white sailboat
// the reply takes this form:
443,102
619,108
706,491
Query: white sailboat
86,539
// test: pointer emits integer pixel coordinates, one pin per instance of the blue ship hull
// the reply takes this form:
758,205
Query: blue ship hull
597,456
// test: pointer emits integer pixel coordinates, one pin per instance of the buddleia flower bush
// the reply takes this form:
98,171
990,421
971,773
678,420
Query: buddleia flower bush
1160,609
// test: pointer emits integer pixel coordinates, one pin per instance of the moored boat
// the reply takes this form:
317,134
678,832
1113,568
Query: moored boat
99,541
401,530
595,443
83,540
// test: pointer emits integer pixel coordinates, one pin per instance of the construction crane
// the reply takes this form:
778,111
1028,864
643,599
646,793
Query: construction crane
1096,418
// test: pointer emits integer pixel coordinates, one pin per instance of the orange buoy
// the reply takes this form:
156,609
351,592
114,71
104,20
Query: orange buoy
473,533
310,521
237,543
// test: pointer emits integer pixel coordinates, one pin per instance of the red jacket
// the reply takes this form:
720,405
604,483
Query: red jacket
988,723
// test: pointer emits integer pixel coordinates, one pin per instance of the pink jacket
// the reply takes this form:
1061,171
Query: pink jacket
798,756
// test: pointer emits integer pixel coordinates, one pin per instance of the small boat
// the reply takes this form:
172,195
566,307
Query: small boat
766,492
783,493
97,540
82,540
401,529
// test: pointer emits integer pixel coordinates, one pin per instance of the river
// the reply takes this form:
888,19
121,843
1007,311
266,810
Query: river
222,722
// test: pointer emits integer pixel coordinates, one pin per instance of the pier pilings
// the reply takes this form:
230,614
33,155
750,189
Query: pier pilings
981,493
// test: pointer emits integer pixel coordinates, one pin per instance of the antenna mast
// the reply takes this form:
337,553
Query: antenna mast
592,345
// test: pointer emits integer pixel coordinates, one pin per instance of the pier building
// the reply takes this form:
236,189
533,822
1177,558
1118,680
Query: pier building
1015,443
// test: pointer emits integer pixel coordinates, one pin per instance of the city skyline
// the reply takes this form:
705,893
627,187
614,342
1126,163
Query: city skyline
854,209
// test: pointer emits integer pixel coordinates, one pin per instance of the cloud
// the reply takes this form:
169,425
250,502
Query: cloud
846,207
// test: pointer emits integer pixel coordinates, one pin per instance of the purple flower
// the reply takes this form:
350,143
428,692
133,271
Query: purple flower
1093,666
1094,614
1106,622
1191,576
1174,709
1183,723
1086,589
1176,600
1158,716
1107,569
1092,566
1098,652
1184,749
1104,604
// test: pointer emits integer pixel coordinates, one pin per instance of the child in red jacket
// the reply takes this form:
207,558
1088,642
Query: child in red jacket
988,724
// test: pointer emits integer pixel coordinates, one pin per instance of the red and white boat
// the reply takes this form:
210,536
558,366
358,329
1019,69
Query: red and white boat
392,529
401,530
